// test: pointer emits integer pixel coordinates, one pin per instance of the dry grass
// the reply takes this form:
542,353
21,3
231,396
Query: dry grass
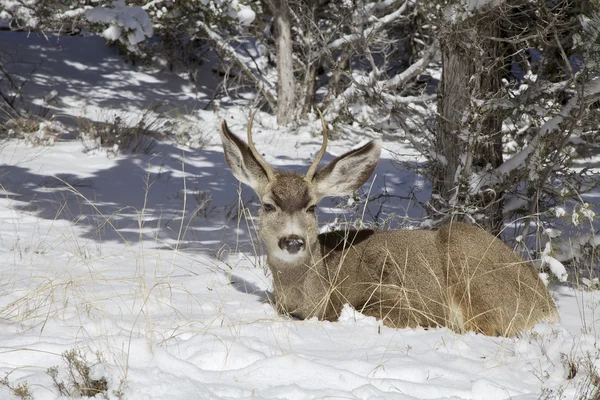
32,129
20,390
125,133
79,287
79,381
122,134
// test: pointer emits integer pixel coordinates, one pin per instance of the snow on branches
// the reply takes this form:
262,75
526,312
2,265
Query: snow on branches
129,25
19,14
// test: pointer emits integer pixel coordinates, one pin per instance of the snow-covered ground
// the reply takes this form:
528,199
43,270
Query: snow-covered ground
142,263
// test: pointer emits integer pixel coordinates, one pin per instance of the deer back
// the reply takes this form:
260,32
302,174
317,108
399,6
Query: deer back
459,276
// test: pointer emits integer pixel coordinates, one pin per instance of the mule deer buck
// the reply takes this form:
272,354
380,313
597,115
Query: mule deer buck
459,276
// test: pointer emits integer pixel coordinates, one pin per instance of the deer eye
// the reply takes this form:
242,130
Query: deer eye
311,209
268,207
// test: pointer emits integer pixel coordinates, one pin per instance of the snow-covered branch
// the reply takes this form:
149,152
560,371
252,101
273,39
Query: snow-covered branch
590,94
391,84
414,70
127,24
19,14
263,85
380,23
530,155
408,99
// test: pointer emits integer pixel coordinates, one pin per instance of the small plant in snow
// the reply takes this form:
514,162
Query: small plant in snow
187,133
122,133
35,131
82,379
573,243
589,387
203,200
20,390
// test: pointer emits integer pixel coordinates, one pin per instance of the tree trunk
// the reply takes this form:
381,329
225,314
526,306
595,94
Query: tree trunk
308,88
286,89
488,147
310,61
453,106
469,140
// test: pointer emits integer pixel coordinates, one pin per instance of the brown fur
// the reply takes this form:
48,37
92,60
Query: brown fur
459,276
416,278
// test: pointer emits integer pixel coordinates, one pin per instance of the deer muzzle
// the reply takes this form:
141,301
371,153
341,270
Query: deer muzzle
292,244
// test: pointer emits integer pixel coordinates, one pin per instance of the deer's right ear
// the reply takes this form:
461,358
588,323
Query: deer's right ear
348,172
242,163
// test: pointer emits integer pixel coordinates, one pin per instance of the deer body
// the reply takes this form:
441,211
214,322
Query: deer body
459,276
354,267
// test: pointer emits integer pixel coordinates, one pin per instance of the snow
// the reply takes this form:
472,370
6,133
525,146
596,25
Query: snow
141,258
557,268
246,15
20,10
479,5
464,9
129,21
588,212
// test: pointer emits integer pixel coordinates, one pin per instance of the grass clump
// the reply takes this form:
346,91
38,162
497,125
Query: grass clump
589,389
127,133
34,130
122,134
79,380
20,390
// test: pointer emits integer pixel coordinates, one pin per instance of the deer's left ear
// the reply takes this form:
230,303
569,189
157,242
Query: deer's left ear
242,162
348,172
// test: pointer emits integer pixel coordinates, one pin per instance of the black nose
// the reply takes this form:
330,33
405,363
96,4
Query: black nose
292,244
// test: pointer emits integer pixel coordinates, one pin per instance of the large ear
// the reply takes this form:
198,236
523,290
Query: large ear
242,162
348,172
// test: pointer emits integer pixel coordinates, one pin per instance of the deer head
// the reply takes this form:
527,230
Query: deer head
287,221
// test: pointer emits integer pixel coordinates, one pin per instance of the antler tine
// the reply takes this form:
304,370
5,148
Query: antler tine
268,169
311,171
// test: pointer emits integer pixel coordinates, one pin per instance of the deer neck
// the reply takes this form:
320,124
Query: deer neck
294,273
299,287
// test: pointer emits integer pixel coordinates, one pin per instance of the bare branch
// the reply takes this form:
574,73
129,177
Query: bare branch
262,84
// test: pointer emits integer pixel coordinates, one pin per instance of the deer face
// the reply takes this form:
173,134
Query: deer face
287,221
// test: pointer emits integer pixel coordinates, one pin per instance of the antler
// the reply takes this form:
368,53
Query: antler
311,171
268,169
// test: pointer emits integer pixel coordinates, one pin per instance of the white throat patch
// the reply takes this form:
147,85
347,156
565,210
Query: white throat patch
286,257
